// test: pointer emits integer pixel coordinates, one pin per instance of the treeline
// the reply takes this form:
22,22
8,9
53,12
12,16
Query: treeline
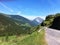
52,21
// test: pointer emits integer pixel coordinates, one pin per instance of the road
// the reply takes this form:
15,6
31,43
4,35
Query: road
52,36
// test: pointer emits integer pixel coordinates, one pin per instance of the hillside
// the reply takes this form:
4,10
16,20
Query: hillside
38,20
13,32
36,38
52,21
22,19
9,26
56,23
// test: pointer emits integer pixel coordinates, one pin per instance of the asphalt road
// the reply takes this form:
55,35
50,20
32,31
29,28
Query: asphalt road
52,36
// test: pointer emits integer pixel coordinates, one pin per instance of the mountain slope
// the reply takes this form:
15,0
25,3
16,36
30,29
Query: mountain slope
22,20
38,20
52,21
9,26
12,32
56,23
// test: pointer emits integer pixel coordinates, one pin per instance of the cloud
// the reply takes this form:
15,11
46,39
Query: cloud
2,11
6,7
30,17
33,17
18,13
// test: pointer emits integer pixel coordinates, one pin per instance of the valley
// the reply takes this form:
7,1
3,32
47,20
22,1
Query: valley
17,30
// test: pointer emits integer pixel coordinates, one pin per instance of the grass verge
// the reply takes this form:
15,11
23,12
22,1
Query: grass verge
36,38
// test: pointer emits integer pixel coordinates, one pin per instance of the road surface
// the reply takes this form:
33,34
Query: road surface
52,36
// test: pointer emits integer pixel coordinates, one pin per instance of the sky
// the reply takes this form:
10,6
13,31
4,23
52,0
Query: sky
30,8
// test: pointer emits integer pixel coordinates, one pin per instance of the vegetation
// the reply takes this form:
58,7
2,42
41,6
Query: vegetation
22,20
13,32
12,27
56,23
52,21
48,21
36,38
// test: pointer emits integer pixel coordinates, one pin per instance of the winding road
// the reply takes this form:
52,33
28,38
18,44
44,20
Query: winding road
52,36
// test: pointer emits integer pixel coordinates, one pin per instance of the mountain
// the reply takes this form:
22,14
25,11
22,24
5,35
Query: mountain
9,26
22,19
38,20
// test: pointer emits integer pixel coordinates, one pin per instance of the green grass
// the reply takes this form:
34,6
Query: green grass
36,38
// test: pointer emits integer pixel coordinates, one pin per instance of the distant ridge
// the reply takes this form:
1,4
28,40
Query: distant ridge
22,19
38,20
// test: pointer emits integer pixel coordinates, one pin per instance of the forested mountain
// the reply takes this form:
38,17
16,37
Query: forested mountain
23,20
9,26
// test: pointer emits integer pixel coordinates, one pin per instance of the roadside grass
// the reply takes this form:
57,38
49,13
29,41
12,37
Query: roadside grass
36,38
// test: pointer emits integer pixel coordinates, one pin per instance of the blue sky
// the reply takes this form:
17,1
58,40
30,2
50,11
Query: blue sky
30,8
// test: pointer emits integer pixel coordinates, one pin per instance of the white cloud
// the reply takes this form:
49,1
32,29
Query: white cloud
18,13
32,17
1,11
6,7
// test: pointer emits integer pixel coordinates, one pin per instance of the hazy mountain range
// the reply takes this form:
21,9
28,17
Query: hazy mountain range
21,19
38,20
15,24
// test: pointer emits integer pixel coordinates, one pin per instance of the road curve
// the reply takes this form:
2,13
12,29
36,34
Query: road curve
52,36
